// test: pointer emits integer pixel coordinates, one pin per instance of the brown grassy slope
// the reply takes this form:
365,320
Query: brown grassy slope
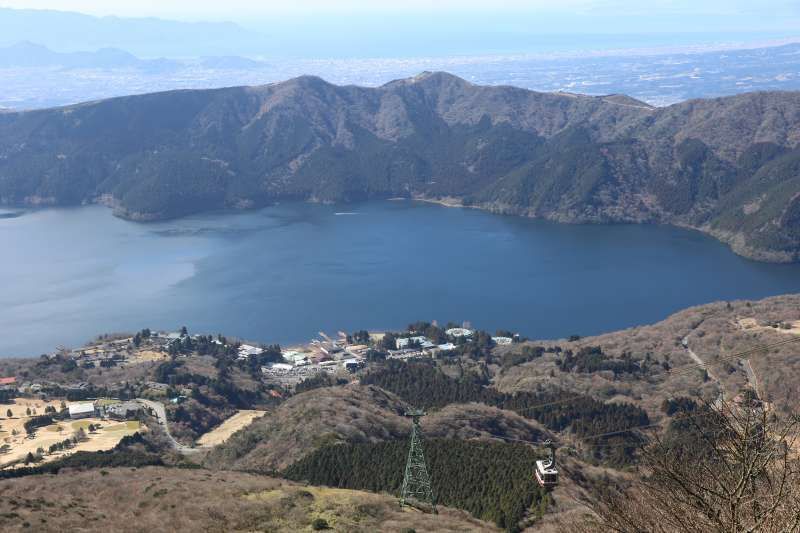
160,499
355,413
713,331
309,420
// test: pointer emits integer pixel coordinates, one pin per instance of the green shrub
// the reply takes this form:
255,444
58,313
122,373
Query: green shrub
319,524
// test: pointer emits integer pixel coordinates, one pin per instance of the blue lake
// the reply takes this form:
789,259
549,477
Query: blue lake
283,273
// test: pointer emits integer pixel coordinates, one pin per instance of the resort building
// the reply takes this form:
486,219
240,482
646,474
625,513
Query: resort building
81,410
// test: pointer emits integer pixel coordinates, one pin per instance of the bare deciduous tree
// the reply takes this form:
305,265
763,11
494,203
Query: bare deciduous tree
741,474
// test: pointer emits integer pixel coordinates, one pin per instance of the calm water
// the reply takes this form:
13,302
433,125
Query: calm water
284,273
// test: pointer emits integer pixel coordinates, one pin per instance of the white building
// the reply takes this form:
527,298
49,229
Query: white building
502,341
405,341
446,347
123,410
81,410
296,358
245,351
459,332
352,364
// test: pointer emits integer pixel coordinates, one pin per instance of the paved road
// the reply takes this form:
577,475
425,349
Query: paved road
751,377
161,415
696,358
748,368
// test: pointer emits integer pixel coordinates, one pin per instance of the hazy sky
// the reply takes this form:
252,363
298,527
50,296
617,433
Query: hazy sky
373,28
776,13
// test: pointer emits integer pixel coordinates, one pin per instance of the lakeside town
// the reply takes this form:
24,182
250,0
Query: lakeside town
325,354
49,416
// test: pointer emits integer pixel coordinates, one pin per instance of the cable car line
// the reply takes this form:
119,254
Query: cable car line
673,371
608,433
546,471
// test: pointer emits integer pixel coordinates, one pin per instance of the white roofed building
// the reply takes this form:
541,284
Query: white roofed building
404,342
281,366
81,410
245,351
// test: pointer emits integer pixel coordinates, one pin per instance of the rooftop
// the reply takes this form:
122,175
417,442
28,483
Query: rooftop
80,408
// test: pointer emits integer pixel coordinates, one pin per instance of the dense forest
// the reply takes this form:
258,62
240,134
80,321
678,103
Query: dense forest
591,359
424,385
493,481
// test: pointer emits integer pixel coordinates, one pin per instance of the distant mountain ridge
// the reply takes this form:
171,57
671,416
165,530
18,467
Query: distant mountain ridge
28,54
143,36
727,166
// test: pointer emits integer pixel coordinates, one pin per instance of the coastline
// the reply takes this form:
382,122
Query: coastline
735,241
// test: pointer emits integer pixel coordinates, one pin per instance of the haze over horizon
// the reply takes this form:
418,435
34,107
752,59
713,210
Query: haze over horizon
315,29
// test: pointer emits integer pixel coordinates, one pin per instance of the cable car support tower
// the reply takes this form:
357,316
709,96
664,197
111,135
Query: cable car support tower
416,481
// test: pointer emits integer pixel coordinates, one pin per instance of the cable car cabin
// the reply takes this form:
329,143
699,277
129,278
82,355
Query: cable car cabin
546,474
546,471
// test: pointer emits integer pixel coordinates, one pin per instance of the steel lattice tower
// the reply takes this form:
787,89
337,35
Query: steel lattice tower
416,481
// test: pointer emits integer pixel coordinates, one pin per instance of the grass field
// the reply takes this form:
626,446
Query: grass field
124,426
221,433
106,401
146,356
105,437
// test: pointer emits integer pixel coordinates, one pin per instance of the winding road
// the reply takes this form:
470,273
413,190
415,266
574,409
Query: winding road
160,412
745,363
702,364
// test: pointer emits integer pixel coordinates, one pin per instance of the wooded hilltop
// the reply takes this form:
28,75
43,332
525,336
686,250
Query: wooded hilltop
726,166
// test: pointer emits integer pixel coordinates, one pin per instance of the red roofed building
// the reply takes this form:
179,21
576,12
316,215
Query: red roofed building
8,381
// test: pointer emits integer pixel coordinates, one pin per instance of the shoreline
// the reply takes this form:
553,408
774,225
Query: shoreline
302,346
734,241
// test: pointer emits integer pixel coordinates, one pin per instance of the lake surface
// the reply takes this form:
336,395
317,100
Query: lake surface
284,273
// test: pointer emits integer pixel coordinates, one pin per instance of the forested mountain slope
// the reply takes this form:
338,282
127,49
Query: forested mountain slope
728,166
355,414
